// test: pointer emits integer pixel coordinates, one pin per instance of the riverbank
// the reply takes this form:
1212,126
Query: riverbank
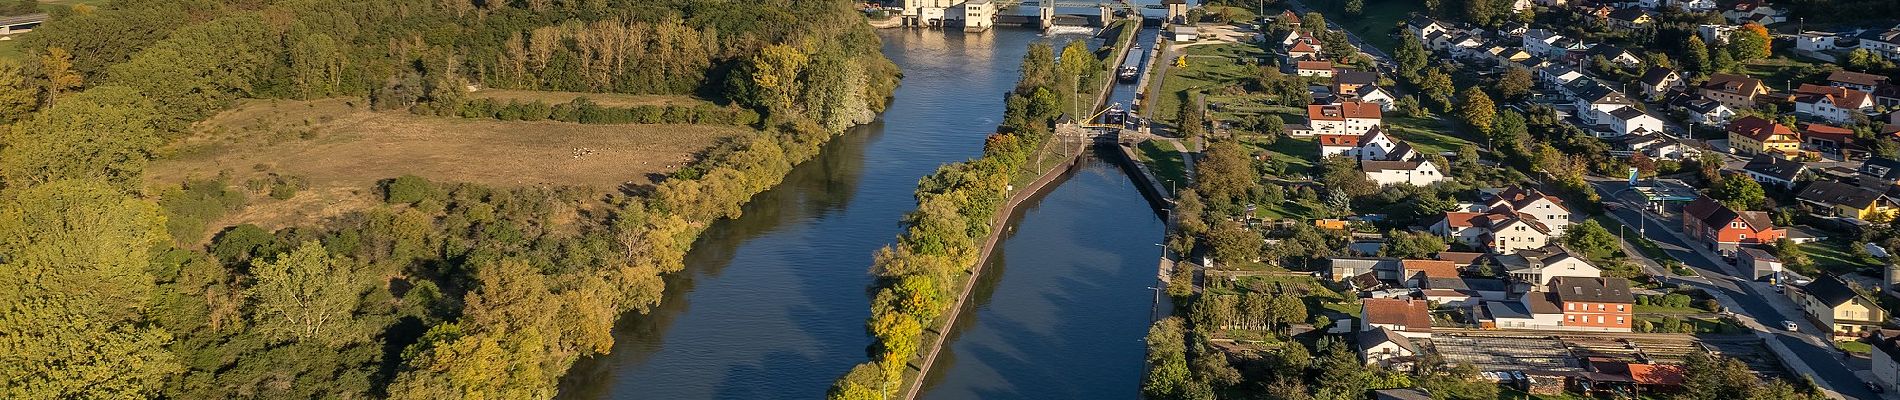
925,279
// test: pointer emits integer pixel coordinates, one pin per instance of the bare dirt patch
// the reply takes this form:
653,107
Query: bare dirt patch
603,99
339,150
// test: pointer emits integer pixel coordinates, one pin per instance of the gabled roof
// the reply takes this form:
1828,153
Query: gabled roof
1343,111
1758,128
1654,374
1347,76
1830,192
1856,78
1314,65
1528,260
1592,290
1377,166
1465,219
1813,129
1627,113
1459,257
1830,290
1518,197
1840,96
1377,335
1735,84
1411,314
1368,90
1430,268
1628,14
1301,46
1775,167
1656,75
1331,140
1597,93
1714,214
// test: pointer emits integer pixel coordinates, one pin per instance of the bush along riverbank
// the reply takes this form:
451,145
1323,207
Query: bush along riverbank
920,278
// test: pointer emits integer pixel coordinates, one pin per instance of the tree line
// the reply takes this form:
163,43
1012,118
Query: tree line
445,291
584,111
917,277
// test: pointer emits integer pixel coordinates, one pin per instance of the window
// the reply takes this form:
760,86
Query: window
1599,307
1570,306
1619,320
1619,307
1599,319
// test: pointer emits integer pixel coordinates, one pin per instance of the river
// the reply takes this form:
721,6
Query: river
772,305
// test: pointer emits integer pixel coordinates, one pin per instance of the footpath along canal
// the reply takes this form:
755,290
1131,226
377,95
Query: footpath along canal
772,304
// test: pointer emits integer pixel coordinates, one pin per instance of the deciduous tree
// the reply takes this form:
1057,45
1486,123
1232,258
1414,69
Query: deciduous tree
306,295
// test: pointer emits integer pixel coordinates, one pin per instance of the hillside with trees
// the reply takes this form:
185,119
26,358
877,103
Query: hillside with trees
445,289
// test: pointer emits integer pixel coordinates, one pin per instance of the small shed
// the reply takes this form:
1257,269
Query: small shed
1186,33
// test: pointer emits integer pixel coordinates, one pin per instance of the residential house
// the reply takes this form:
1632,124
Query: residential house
1614,54
1774,171
1372,94
1855,80
1386,348
1423,26
1630,121
1631,18
1349,81
1879,173
1508,54
1532,310
1838,307
1761,264
1595,101
1831,103
1837,199
1888,95
1703,111
1659,81
1303,50
1735,91
1408,318
1815,41
1338,145
1558,75
1883,43
1594,303
1319,68
1886,359
1757,135
1833,140
1715,35
1652,145
1537,267
1500,231
1756,11
1347,118
1458,292
1375,145
1694,6
1721,228
1416,173
1548,209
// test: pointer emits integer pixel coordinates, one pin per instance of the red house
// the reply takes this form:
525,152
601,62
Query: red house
1724,229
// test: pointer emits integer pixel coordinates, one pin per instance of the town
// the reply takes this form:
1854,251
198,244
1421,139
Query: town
1550,198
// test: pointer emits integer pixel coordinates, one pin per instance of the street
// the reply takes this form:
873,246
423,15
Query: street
1758,305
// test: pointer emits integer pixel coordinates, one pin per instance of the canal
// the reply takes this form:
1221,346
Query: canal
772,305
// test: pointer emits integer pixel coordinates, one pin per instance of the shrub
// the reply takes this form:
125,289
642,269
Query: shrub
406,189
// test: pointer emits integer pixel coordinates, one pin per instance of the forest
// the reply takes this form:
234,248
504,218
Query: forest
444,290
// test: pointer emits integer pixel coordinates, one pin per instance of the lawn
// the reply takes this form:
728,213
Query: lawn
1208,67
1374,25
1854,346
1164,161
1782,72
1297,154
1832,256
1661,310
1428,135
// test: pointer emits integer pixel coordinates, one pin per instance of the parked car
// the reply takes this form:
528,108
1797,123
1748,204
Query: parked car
1790,326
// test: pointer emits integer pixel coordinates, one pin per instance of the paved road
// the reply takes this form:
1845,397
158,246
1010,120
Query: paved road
1752,300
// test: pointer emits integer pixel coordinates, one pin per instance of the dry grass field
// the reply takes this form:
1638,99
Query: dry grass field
340,149
604,99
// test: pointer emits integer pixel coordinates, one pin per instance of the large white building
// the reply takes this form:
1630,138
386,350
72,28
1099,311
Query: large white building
969,14
1415,173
